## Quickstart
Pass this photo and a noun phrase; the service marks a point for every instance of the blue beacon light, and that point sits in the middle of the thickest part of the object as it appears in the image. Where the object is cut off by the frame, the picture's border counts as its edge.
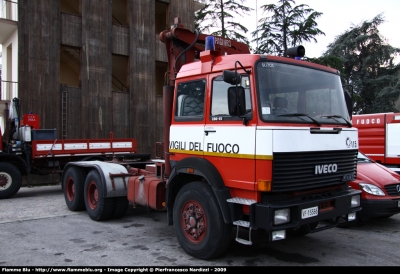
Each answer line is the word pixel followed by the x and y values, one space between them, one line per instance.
pixel 210 43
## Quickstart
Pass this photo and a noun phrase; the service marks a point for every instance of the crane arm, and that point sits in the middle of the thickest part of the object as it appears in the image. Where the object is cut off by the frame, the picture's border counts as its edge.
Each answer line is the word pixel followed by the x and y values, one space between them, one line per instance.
pixel 184 46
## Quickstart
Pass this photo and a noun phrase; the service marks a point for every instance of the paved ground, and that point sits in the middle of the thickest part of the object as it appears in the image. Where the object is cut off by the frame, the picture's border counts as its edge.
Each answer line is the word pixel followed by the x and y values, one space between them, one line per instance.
pixel 33 203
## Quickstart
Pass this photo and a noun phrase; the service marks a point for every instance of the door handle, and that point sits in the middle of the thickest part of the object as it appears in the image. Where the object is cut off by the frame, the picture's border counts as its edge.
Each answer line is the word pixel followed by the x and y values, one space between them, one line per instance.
pixel 207 131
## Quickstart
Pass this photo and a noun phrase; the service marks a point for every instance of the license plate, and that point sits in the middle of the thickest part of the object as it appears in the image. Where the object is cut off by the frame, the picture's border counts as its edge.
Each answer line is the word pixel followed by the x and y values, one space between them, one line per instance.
pixel 309 212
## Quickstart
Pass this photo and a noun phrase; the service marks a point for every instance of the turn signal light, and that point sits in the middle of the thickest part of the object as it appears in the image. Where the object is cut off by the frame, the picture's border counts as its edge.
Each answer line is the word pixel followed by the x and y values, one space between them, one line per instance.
pixel 264 185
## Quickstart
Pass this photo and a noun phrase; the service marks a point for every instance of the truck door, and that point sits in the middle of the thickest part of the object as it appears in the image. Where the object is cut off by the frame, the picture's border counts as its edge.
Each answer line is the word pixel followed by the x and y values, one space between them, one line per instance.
pixel 229 144
pixel 187 129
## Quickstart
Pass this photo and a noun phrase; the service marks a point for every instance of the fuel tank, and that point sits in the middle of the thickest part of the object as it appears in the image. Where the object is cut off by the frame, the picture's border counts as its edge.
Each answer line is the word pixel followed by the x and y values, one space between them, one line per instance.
pixel 147 190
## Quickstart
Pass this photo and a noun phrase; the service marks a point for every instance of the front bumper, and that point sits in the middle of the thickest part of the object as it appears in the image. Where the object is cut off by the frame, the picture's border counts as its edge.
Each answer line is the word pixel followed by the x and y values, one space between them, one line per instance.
pixel 379 208
pixel 339 205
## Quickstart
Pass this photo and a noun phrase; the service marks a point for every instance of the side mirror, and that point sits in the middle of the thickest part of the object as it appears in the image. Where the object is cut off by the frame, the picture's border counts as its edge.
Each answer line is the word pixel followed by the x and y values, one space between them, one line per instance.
pixel 236 101
pixel 231 77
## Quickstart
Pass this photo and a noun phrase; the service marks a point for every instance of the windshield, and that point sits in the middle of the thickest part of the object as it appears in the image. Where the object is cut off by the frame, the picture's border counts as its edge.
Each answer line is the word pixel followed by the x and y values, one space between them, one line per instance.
pixel 290 93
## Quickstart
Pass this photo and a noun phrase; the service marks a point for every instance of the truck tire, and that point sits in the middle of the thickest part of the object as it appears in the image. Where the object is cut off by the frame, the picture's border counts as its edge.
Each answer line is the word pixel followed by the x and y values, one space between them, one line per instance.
pixel 98 207
pixel 198 222
pixel 10 180
pixel 120 207
pixel 73 184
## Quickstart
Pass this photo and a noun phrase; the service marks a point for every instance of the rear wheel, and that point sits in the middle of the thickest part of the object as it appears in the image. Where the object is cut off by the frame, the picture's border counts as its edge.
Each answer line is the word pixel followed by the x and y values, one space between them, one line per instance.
pixel 198 222
pixel 98 207
pixel 10 180
pixel 73 185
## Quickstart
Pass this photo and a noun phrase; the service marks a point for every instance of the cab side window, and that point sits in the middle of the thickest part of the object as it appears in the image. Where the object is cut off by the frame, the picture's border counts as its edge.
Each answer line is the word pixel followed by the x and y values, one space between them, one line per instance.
pixel 219 99
pixel 190 100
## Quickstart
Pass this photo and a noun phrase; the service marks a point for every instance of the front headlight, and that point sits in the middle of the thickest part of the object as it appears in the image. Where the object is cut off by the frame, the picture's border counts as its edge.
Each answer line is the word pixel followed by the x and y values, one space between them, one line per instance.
pixel 355 201
pixel 372 189
pixel 281 216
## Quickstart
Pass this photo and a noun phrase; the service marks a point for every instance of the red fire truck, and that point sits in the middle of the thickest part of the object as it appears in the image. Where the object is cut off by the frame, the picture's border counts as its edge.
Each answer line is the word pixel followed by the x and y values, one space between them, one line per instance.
pixel 379 137
pixel 251 141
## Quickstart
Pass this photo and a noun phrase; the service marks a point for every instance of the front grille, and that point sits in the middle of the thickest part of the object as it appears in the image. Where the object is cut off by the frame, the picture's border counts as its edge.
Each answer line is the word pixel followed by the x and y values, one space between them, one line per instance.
pixel 294 171
pixel 392 190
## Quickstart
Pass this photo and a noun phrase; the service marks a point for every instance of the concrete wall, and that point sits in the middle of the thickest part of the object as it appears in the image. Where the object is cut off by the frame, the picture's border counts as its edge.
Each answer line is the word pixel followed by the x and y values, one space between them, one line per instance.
pixel 93 109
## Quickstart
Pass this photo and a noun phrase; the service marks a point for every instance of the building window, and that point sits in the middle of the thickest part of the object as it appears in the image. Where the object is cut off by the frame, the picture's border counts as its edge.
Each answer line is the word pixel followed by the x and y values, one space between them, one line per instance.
pixel 161 23
pixel 120 73
pixel 120 12
pixel 70 66
pixel 70 6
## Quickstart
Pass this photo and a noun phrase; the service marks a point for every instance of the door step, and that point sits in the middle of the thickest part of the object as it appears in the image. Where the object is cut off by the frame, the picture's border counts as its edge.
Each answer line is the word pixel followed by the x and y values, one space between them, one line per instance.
pixel 242 201
pixel 242 223
pixel 245 224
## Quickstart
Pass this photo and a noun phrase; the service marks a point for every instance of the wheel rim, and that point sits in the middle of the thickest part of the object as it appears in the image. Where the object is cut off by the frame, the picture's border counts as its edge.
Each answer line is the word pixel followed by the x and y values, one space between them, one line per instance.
pixel 194 221
pixel 5 181
pixel 92 195
pixel 70 188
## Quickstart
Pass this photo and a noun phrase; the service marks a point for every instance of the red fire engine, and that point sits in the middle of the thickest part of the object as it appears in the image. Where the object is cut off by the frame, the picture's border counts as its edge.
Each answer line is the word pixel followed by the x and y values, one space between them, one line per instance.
pixel 379 137
pixel 252 141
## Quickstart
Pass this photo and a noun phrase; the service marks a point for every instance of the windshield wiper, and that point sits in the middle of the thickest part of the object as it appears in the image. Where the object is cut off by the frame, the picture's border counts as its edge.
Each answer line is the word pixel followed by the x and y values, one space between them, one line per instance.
pixel 338 116
pixel 299 115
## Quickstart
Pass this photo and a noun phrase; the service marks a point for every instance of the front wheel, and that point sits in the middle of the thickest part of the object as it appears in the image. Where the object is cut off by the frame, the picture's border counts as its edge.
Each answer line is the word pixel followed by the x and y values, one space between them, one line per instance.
pixel 98 207
pixel 10 180
pixel 198 222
